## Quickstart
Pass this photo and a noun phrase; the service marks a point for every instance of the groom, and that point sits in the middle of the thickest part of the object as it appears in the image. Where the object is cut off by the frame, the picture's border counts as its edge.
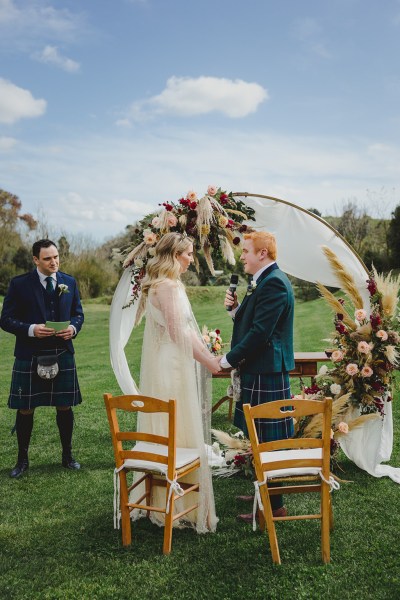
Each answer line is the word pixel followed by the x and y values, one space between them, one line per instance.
pixel 262 341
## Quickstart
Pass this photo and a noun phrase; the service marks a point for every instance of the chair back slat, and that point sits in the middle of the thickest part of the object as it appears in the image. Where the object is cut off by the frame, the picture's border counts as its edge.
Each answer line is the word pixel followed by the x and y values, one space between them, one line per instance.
pixel 279 409
pixel 291 444
pixel 138 403
pixel 147 456
pixel 138 436
pixel 293 463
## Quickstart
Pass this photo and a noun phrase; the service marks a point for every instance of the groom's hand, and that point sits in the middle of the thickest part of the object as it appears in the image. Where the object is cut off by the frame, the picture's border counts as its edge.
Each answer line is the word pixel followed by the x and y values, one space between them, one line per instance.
pixel 214 365
pixel 230 299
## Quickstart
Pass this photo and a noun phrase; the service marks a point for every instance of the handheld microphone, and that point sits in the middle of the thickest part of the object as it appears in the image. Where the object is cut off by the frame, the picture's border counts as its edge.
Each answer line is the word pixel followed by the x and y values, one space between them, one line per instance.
pixel 232 287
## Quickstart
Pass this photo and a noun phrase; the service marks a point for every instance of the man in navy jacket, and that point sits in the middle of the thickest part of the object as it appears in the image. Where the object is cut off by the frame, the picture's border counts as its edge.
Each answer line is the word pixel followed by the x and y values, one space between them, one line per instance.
pixel 262 340
pixel 34 299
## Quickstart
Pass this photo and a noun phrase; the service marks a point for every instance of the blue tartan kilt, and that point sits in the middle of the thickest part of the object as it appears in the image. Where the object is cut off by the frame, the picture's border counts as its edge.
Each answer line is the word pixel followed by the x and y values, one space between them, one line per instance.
pixel 28 390
pixel 258 389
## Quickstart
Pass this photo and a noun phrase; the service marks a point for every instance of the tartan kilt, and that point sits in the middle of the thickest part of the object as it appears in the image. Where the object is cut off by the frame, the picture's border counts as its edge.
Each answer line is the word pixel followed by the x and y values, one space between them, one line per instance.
pixel 28 390
pixel 258 389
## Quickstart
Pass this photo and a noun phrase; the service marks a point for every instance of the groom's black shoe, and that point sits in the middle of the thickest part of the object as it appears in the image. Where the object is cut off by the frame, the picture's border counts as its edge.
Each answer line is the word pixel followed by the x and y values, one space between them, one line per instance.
pixel 70 463
pixel 20 468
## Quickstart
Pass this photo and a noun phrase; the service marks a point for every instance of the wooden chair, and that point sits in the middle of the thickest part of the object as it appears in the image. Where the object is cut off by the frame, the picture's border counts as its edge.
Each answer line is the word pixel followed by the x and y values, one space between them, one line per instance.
pixel 157 457
pixel 295 462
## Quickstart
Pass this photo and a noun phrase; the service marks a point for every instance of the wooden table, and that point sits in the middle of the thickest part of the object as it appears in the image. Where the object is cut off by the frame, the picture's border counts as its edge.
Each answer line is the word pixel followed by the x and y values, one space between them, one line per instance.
pixel 306 365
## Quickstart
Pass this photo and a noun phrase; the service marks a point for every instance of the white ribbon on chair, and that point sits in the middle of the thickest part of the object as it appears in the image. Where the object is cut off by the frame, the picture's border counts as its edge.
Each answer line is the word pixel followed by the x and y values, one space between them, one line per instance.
pixel 175 488
pixel 333 485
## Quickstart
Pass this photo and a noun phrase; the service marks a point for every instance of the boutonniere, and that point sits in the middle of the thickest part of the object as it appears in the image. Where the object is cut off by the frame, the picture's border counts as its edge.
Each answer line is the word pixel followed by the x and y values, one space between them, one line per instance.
pixel 63 289
pixel 251 287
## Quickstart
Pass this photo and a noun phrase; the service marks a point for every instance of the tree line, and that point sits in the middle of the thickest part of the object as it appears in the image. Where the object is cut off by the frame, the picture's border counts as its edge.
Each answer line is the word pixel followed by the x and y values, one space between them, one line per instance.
pixel 376 241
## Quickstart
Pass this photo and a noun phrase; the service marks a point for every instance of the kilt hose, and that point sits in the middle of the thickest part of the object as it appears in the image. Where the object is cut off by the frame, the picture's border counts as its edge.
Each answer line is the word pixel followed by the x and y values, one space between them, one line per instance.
pixel 28 390
pixel 258 389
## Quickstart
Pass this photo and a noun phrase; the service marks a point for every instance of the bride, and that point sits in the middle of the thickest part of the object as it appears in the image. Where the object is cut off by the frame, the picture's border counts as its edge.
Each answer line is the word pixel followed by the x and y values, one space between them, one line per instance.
pixel 177 364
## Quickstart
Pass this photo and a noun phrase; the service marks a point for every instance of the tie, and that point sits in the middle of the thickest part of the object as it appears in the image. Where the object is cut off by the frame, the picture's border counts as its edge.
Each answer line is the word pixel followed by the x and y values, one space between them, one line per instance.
pixel 49 285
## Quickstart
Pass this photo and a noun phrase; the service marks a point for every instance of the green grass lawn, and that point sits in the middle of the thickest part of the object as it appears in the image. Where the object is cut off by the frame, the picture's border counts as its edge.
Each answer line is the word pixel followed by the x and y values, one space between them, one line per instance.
pixel 56 529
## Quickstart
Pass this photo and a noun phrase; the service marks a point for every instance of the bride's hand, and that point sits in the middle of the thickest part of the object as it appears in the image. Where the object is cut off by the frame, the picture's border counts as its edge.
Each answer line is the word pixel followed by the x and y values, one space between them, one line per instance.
pixel 213 365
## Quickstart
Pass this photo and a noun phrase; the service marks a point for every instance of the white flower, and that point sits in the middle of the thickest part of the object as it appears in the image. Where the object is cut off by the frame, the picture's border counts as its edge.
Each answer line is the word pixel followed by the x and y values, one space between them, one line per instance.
pixel 139 263
pixel 239 434
pixel 335 388
pixel 323 370
pixel 62 289
pixel 360 315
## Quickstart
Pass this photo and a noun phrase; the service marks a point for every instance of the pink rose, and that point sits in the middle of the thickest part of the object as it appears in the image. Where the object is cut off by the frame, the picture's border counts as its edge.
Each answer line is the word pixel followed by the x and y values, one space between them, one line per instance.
pixel 360 315
pixel 191 196
pixel 171 220
pixel 382 335
pixel 352 369
pixel 343 427
pixel 337 355
pixel 212 190
pixel 149 237
pixel 364 347
pixel 156 222
pixel 366 371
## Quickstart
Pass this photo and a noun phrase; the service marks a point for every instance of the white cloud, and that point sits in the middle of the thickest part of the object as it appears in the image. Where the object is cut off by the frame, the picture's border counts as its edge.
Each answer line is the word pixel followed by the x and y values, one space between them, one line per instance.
pixel 186 96
pixel 23 23
pixel 17 103
pixel 7 143
pixel 51 55
pixel 125 178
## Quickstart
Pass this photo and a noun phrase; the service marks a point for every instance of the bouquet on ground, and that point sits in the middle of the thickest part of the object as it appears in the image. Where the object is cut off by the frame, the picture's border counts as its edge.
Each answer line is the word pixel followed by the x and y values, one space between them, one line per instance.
pixel 237 452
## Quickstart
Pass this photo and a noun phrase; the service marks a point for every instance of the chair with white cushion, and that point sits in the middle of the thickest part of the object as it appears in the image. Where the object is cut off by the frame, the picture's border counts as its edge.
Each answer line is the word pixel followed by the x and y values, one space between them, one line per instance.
pixel 294 461
pixel 157 457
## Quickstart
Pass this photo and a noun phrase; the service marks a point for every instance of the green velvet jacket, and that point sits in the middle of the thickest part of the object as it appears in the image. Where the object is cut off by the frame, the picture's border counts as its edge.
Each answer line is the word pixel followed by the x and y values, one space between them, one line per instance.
pixel 262 340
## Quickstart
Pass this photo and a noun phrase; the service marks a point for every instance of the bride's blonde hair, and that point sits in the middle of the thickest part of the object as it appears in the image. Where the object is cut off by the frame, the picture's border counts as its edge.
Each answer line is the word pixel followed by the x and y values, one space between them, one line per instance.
pixel 165 264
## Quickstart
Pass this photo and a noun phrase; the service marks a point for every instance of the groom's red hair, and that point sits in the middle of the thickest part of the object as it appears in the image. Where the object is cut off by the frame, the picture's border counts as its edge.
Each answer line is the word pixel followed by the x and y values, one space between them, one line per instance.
pixel 263 240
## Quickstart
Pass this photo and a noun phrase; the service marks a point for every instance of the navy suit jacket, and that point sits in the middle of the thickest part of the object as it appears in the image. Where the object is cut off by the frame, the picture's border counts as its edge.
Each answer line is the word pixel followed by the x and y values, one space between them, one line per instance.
pixel 24 305
pixel 262 340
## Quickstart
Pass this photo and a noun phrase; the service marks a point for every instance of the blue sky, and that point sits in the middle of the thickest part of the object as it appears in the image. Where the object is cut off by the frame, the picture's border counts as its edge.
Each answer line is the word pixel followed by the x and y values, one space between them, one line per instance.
pixel 108 108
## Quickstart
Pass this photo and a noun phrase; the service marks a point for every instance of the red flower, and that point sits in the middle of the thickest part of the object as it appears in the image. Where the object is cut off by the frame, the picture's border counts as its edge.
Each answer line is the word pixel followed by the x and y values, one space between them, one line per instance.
pixel 223 199
pixel 184 201
pixel 217 331
pixel 193 205
pixel 239 460
pixel 339 316
pixel 242 228
pixel 371 286
pixel 340 328
pixel 341 300
pixel 168 206
pixel 375 321
pixel 236 241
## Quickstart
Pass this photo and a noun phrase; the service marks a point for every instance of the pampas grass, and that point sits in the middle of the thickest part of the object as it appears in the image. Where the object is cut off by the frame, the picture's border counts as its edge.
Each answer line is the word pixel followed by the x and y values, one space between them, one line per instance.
pixel 345 278
pixel 389 287
pixel 335 305
pixel 355 423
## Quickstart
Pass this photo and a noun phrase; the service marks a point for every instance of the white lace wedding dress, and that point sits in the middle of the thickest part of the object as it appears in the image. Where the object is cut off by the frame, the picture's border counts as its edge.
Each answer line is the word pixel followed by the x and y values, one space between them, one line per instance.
pixel 169 370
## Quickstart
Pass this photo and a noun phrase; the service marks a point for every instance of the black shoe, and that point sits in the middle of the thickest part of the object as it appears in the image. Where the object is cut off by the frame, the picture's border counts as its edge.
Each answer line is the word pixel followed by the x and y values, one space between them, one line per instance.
pixel 20 468
pixel 70 463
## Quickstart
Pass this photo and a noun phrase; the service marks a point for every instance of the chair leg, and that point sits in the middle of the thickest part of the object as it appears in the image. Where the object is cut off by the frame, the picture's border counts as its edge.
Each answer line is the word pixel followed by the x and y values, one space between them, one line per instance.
pixel 149 488
pixel 273 540
pixel 125 513
pixel 168 523
pixel 325 523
